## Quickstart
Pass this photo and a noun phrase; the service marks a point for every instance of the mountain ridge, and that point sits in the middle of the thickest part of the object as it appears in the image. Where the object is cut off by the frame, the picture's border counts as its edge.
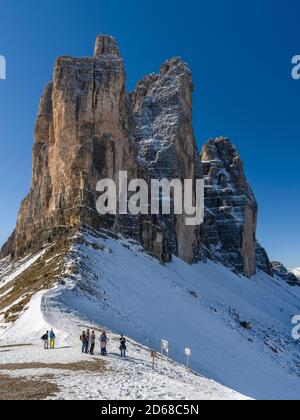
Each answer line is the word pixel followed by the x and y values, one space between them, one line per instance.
pixel 89 127
pixel 150 276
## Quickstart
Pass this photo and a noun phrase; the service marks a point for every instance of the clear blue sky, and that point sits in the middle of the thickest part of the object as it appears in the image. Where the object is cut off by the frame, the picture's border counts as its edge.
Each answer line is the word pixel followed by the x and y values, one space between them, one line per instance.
pixel 240 54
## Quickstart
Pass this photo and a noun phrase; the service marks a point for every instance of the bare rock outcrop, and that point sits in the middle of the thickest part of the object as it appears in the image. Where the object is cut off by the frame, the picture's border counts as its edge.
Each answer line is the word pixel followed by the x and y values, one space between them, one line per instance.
pixel 88 128
pixel 162 105
pixel 84 132
pixel 263 262
pixel 229 229
pixel 8 247
pixel 281 272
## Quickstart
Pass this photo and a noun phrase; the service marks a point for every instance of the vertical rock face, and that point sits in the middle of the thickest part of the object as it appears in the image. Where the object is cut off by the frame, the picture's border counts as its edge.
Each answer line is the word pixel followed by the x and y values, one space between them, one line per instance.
pixel 89 128
pixel 162 107
pixel 262 260
pixel 84 133
pixel 281 272
pixel 229 230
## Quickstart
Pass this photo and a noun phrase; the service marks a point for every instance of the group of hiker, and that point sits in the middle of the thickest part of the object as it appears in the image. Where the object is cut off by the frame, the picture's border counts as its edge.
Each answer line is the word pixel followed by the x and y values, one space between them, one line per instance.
pixel 49 340
pixel 88 340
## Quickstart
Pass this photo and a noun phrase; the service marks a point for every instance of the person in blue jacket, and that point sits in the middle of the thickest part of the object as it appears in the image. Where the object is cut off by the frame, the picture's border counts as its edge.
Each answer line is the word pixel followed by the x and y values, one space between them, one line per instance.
pixel 103 344
pixel 52 338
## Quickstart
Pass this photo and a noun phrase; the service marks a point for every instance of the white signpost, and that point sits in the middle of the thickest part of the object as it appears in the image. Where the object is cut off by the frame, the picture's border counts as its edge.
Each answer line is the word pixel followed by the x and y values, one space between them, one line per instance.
pixel 165 347
pixel 2 68
pixel 188 353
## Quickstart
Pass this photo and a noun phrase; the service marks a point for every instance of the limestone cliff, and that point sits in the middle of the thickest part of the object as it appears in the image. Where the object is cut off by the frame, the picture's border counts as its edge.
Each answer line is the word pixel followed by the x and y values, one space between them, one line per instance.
pixel 229 229
pixel 88 128
pixel 162 106
pixel 83 133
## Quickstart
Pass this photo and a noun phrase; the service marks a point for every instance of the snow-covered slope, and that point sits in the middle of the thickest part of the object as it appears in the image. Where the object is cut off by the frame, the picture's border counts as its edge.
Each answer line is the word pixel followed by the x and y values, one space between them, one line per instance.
pixel 113 283
pixel 115 378
pixel 21 355
pixel 296 271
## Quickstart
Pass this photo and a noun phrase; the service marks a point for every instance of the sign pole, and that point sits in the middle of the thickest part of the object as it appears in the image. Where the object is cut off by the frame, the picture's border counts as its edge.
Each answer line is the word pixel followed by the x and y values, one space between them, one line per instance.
pixel 154 356
pixel 188 353
pixel 165 347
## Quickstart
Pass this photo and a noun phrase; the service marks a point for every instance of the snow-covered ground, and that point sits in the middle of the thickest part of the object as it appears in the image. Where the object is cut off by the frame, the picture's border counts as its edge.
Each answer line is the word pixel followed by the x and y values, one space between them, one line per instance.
pixel 130 379
pixel 200 306
pixel 296 271
pixel 119 379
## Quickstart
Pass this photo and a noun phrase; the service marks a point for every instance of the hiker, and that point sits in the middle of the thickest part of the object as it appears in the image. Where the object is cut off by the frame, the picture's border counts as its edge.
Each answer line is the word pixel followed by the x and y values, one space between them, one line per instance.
pixel 92 342
pixel 85 343
pixel 123 347
pixel 103 344
pixel 52 340
pixel 45 339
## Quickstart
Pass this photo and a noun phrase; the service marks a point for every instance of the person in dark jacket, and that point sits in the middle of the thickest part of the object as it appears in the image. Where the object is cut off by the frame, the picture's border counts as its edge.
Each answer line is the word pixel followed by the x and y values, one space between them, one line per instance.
pixel 45 339
pixel 123 346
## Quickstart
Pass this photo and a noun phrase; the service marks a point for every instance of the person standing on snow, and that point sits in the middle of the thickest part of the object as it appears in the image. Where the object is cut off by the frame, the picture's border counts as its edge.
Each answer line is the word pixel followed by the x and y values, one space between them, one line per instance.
pixel 52 337
pixel 85 343
pixel 45 339
pixel 123 347
pixel 103 344
pixel 92 342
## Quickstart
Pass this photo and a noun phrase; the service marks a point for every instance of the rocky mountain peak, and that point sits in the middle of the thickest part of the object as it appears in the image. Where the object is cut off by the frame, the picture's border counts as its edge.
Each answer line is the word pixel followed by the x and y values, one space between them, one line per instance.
pixel 281 272
pixel 175 66
pixel 89 128
pixel 220 153
pixel 229 230
pixel 106 46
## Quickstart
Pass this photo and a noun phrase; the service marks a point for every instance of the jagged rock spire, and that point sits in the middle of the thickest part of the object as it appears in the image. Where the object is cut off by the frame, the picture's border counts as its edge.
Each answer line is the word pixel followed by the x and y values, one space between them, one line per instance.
pixel 106 45
pixel 88 128
pixel 229 230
